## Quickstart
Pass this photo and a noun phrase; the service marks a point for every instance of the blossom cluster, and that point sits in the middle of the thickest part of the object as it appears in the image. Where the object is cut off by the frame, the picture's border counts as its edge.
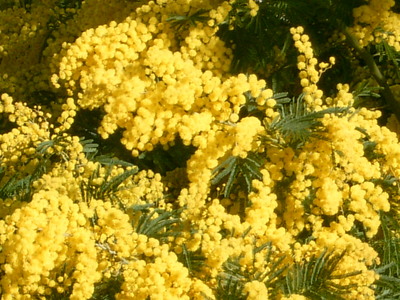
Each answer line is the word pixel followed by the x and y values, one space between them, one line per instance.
pixel 151 86
pixel 376 22
pixel 156 77
pixel 307 65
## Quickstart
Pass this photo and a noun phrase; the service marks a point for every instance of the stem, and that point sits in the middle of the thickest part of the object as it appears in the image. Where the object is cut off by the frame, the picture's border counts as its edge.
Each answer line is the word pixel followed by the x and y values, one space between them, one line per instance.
pixel 387 94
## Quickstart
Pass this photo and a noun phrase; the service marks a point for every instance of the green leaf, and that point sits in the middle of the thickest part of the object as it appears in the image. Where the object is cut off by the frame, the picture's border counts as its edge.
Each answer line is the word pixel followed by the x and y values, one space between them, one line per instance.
pixel 108 288
pixel 193 261
pixel 19 185
pixel 44 146
pixel 297 123
pixel 88 145
pixel 315 277
pixel 388 247
pixel 252 170
pixel 223 169
pixel 363 92
pixel 111 185
pixel 238 171
pixel 233 278
pixel 112 161
pixel 231 180
pixel 180 21
pixel 166 224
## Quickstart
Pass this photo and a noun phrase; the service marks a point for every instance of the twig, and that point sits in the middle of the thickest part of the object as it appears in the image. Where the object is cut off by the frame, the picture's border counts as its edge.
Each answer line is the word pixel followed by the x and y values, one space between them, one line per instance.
pixel 387 94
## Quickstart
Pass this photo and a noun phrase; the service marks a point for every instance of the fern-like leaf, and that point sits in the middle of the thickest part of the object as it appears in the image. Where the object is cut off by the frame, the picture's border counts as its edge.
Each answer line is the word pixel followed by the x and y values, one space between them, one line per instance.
pixel 231 281
pixel 233 278
pixel 363 93
pixel 108 160
pixel 193 261
pixel 164 225
pixel 238 171
pixel 274 276
pixel 296 123
pixel 388 54
pixel 182 21
pixel 109 187
pixel 388 284
pixel 107 289
pixel 314 278
pixel 89 148
pixel 19 185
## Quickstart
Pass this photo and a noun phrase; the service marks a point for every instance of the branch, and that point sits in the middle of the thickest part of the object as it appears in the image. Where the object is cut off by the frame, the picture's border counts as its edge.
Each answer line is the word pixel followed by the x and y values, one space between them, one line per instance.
pixel 387 94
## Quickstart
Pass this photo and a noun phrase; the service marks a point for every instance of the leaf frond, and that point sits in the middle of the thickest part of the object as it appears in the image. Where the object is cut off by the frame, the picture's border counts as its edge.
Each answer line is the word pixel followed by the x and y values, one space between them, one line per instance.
pixel 238 173
pixel 182 21
pixel 193 261
pixel 233 278
pixel 158 223
pixel 315 277
pixel 108 188
pixel 297 124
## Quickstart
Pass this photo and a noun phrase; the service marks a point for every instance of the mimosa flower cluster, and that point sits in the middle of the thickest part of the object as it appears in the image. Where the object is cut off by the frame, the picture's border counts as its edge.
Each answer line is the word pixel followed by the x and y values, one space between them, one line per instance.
pixel 150 86
pixel 307 65
pixel 376 21
pixel 156 77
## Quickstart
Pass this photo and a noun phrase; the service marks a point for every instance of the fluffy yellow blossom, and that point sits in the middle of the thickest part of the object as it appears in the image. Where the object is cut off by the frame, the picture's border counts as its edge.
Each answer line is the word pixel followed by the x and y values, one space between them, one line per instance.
pixel 329 199
pixel 153 91
pixel 82 226
pixel 261 215
pixel 310 70
pixel 375 21
pixel 294 297
pixel 343 97
pixel 358 256
pixel 245 134
pixel 18 146
pixel 36 246
pixel 165 278
pixel 256 290
pixel 90 241
pixel 23 36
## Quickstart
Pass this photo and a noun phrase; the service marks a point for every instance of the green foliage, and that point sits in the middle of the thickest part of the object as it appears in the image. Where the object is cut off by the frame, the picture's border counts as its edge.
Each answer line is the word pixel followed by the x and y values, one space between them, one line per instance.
pixel 237 173
pixel 262 43
pixel 19 186
pixel 251 108
pixel 109 187
pixel 369 146
pixel 387 287
pixel 183 22
pixel 297 124
pixel 365 94
pixel 107 160
pixel 162 160
pixel 69 3
pixel 192 260
pixel 315 278
pixel 107 289
pixel 388 57
pixel 158 223
pixel 233 278
pixel 58 296
pixel 61 141
pixel 388 247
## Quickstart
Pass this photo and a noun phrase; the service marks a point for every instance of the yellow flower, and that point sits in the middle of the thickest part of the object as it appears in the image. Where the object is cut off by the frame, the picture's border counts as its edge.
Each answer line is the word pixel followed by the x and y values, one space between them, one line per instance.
pixel 256 290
